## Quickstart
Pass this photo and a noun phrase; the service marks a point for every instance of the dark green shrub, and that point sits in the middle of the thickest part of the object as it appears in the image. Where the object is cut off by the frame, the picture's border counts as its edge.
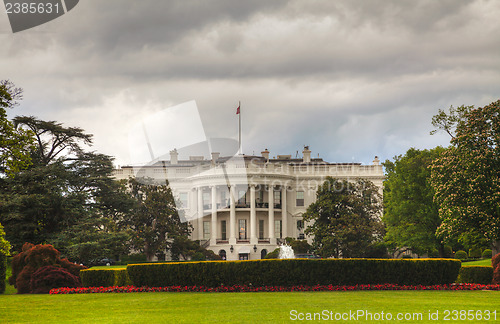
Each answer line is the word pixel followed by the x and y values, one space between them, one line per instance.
pixel 406 256
pixel 105 277
pixel 198 256
pixel 291 272
pixel 3 271
pixel 474 253
pixel 4 253
pixel 461 255
pixel 487 254
pixel 48 277
pixel 135 257
pixel 273 255
pixel 475 274
pixel 447 251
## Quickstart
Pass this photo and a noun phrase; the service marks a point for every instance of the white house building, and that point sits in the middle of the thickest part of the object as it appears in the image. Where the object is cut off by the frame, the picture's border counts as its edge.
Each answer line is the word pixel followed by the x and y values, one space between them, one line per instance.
pixel 242 207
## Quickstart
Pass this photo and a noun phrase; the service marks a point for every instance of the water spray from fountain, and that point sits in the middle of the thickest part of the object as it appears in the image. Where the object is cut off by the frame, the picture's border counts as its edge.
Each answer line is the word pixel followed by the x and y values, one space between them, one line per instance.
pixel 286 252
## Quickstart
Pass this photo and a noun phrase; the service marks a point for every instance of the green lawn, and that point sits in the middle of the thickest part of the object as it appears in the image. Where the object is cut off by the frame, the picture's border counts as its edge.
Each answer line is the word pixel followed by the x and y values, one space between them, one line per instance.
pixel 240 307
pixel 485 262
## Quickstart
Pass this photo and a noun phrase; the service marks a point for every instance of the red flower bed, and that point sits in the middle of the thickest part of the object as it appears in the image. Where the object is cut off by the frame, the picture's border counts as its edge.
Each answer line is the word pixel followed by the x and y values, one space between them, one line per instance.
pixel 238 288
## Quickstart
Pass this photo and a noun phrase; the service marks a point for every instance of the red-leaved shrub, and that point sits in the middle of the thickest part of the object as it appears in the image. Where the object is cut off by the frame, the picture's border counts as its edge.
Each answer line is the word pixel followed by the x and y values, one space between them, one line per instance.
pixel 48 277
pixel 495 261
pixel 34 257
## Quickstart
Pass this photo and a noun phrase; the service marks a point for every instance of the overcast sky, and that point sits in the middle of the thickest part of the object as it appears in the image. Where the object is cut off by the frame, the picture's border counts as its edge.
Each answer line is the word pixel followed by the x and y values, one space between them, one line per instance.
pixel 351 79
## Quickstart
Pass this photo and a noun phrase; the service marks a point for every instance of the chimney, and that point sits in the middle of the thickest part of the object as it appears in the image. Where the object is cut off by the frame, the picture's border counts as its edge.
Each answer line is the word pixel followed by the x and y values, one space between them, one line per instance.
pixel 307 155
pixel 174 156
pixel 265 154
pixel 376 161
pixel 215 156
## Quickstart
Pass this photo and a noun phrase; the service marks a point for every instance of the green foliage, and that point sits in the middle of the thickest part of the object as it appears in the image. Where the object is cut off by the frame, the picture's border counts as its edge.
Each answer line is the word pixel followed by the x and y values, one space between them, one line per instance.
pixel 4 253
pixel 289 272
pixel 105 278
pixel 298 246
pixel 410 215
pixel 183 247
pixel 15 144
pixel 474 253
pixel 67 197
pixel 466 177
pixel 475 274
pixel 461 255
pixel 273 255
pixel 155 219
pixel 34 257
pixel 486 254
pixel 344 219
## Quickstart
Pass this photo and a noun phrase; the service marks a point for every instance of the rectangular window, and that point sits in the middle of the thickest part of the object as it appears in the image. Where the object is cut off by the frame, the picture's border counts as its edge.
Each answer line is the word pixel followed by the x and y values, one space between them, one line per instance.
pixel 261 229
pixel 183 198
pixel 300 198
pixel 277 199
pixel 206 230
pixel 223 230
pixel 223 200
pixel 242 197
pixel 206 200
pixel 242 225
pixel 277 228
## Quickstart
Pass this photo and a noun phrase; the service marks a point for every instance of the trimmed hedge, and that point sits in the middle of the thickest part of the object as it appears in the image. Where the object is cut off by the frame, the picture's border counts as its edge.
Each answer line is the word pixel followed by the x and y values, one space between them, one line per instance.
pixel 3 271
pixel 461 255
pixel 475 274
pixel 292 272
pixel 487 254
pixel 105 277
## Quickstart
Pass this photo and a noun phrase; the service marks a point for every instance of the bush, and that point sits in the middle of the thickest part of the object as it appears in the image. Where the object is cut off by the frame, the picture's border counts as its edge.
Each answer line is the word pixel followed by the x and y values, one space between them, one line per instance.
pixel 495 261
pixel 48 277
pixel 447 251
pixel 461 255
pixel 474 253
pixel 4 253
pixel 105 278
pixel 487 254
pixel 496 275
pixel 292 272
pixel 34 257
pixel 475 274
pixel 273 255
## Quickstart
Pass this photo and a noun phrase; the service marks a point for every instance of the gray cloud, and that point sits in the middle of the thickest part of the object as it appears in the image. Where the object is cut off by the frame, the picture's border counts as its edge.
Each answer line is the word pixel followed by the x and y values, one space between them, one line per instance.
pixel 350 78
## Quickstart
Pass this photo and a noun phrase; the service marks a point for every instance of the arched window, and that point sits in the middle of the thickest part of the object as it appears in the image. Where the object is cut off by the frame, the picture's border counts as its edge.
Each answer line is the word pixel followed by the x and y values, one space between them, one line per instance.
pixel 222 254
pixel 263 253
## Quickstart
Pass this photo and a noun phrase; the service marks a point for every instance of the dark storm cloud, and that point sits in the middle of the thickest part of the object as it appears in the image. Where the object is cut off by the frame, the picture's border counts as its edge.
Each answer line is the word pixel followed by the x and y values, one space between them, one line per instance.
pixel 353 79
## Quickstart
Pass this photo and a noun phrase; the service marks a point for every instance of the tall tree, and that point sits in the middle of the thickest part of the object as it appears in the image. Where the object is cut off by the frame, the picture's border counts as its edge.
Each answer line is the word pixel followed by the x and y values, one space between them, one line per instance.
pixel 410 214
pixel 466 178
pixel 15 144
pixel 155 220
pixel 64 188
pixel 345 218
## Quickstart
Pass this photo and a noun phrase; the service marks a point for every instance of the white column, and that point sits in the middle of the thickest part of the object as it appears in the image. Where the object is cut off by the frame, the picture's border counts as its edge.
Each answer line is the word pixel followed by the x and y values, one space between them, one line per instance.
pixel 284 216
pixel 213 229
pixel 200 213
pixel 270 195
pixel 253 216
pixel 232 217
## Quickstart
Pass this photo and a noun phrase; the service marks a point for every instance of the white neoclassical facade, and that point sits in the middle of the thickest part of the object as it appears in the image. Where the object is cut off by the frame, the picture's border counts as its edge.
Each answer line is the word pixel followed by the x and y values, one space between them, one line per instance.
pixel 242 207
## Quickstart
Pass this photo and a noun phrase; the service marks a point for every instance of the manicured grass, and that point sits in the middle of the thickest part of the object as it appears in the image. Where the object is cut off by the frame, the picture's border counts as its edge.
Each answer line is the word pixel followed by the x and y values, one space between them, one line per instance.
pixel 110 267
pixel 484 262
pixel 237 307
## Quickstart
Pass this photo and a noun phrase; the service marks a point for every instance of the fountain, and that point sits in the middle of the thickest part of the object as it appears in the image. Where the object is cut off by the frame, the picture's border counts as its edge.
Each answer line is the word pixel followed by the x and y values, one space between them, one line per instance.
pixel 286 252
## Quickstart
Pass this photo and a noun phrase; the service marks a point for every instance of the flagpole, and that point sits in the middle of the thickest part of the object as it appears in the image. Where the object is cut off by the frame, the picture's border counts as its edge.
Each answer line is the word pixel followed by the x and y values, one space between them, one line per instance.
pixel 239 127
